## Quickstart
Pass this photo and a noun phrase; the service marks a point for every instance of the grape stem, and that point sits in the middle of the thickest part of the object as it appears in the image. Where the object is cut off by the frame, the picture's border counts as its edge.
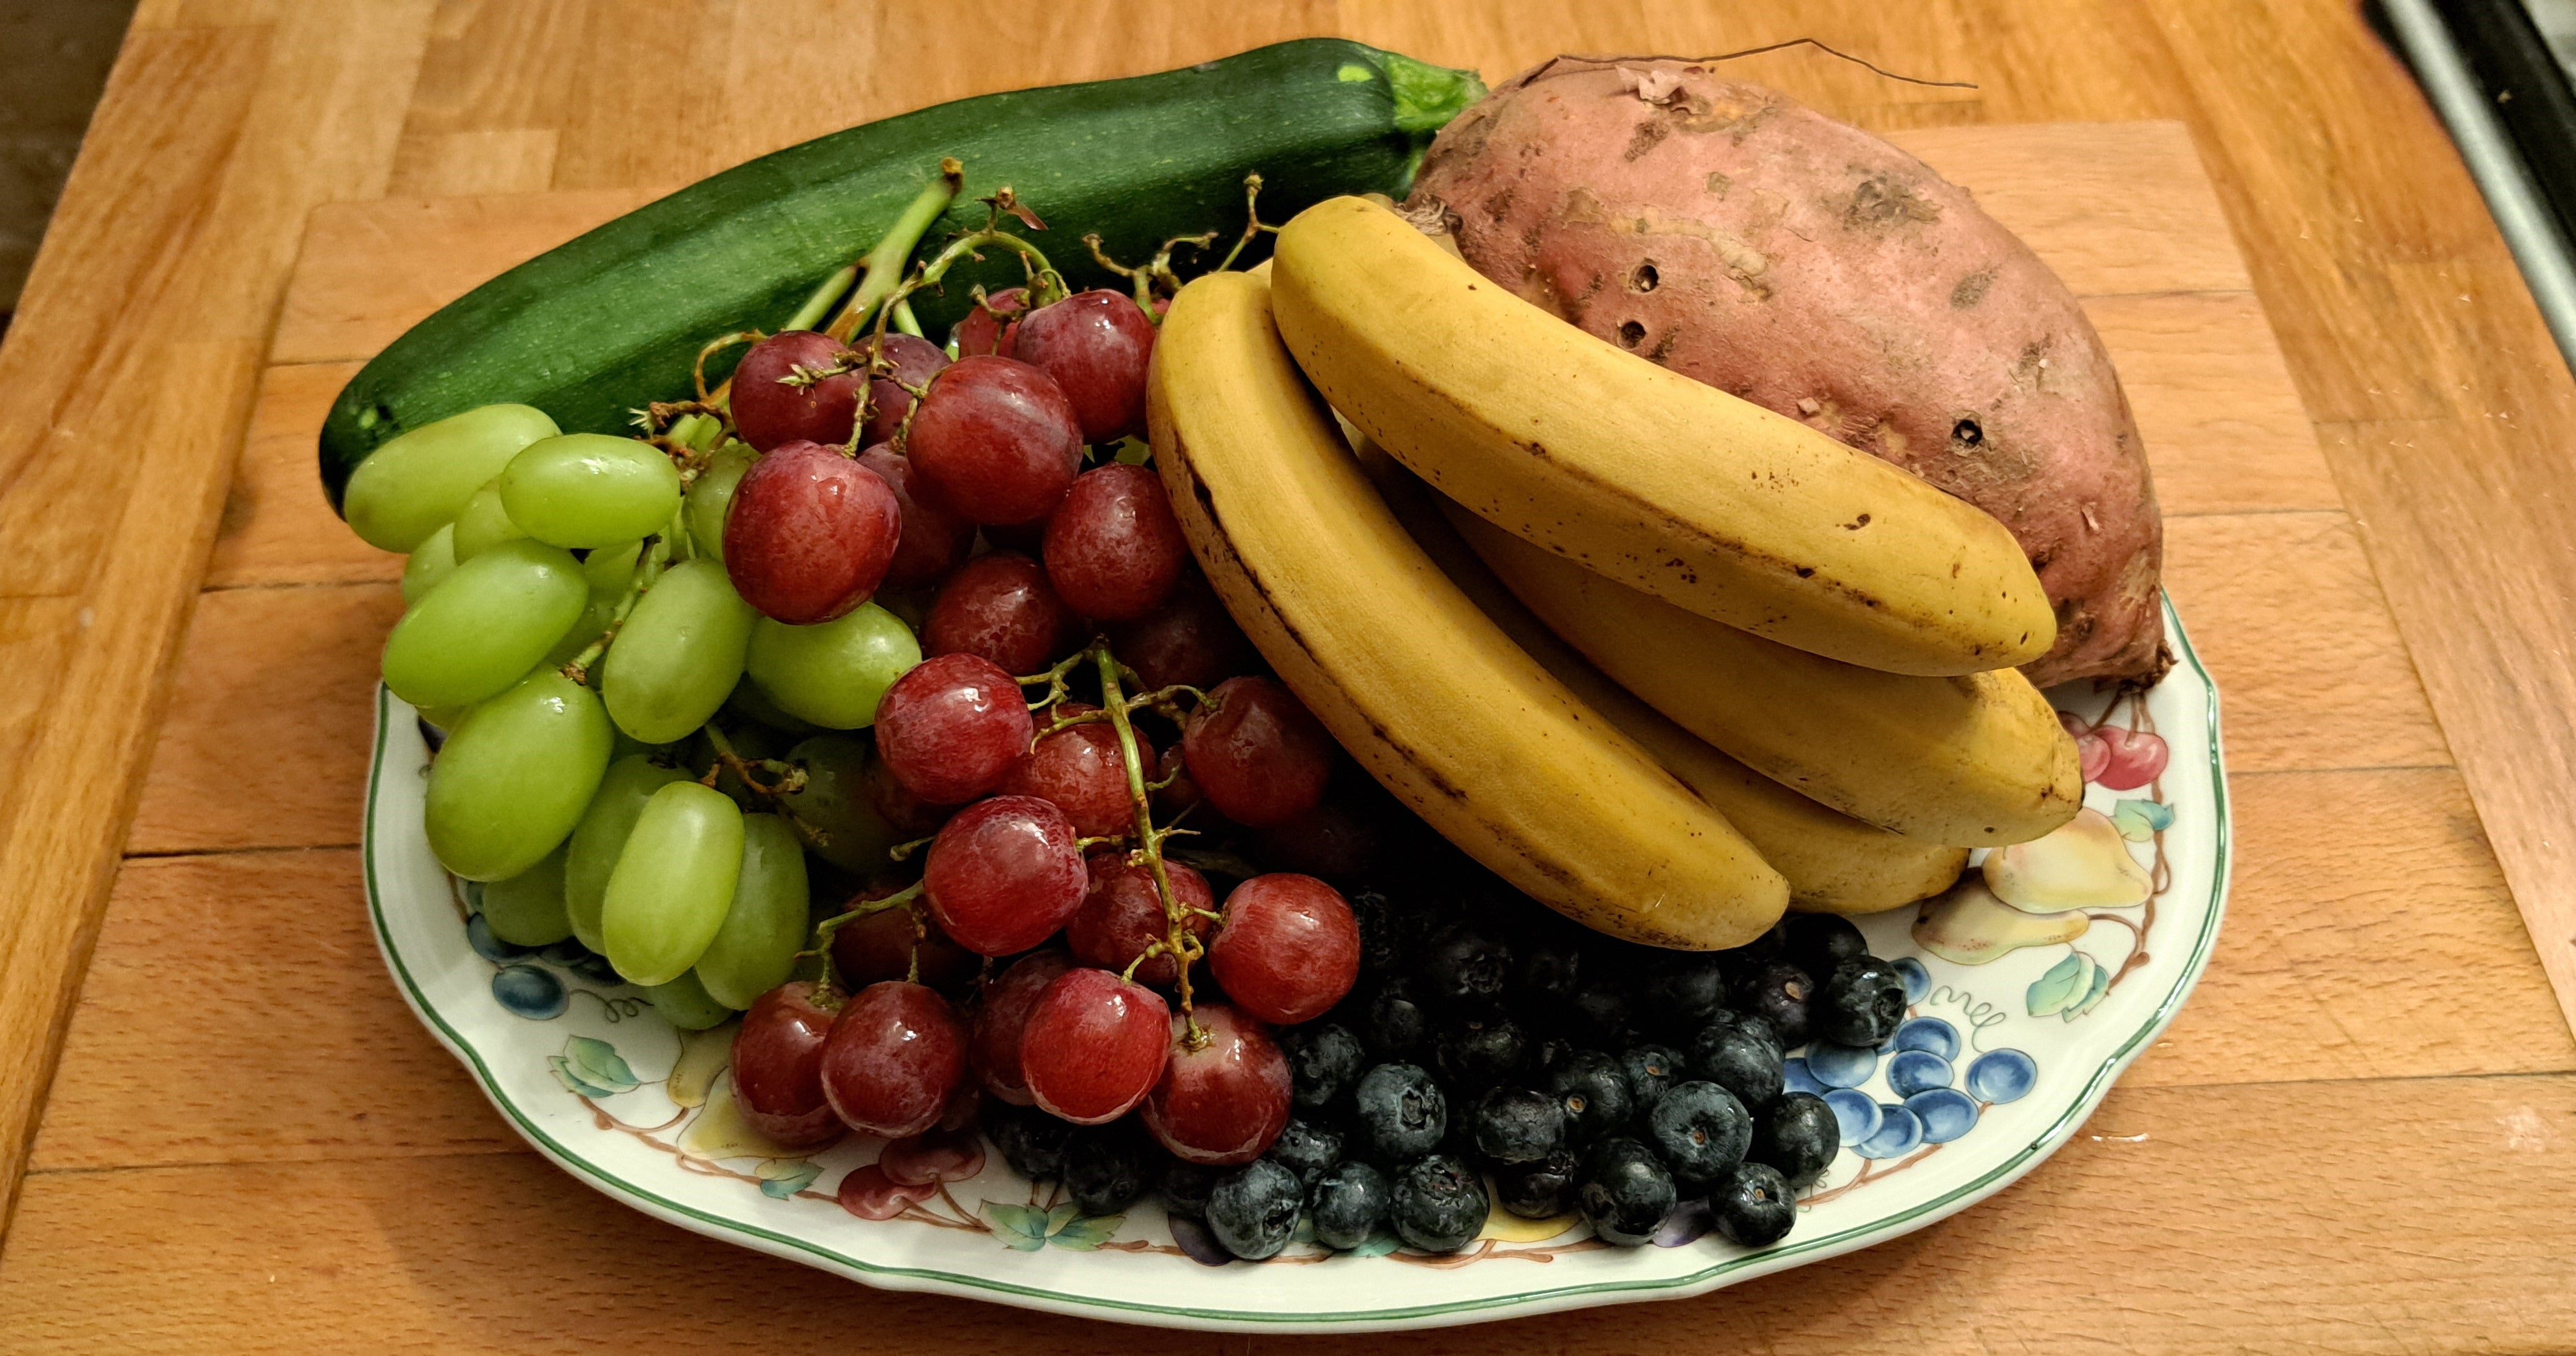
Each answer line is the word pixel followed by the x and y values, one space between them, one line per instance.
pixel 1252 223
pixel 1179 943
pixel 883 265
pixel 657 551
pixel 854 911
pixel 791 778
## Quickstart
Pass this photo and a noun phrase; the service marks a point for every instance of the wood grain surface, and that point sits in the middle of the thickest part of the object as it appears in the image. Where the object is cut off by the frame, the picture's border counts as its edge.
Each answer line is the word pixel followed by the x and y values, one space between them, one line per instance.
pixel 2360 1135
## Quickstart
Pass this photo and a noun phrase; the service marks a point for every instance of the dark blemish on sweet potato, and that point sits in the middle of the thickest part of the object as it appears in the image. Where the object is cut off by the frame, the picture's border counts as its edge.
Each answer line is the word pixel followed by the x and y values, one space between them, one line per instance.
pixel 1502 204
pixel 1648 135
pixel 1879 203
pixel 1631 333
pixel 1645 278
pixel 1719 183
pixel 1972 289
pixel 1664 346
pixel 1967 433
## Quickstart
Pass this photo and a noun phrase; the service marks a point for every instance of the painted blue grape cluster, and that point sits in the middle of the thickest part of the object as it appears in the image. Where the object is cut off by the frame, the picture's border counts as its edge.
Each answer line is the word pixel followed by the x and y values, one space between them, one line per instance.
pixel 1939 1087
pixel 520 984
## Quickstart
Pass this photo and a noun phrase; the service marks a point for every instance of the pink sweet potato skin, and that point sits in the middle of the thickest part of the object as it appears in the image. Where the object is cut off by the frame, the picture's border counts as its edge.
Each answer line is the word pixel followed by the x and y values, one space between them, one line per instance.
pixel 1752 243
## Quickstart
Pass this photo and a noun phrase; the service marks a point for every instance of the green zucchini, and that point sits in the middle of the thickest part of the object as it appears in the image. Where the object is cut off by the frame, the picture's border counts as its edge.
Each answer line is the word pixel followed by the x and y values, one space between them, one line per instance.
pixel 593 330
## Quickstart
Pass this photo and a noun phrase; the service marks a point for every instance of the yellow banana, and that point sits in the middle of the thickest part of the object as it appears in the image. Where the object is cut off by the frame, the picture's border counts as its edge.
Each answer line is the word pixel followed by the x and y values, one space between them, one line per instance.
pixel 1709 502
pixel 1977 760
pixel 1435 701
pixel 1833 863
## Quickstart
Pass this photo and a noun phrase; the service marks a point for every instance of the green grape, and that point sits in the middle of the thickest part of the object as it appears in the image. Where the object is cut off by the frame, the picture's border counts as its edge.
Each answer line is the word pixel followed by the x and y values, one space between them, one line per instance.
pixel 711 494
pixel 601 836
pixel 485 625
pixel 756 948
pixel 444 717
pixel 431 561
pixel 752 704
pixel 685 1003
pixel 589 489
pixel 836 802
pixel 528 908
pixel 679 654
pixel 610 569
pixel 483 524
pixel 833 672
pixel 673 884
pixel 419 481
pixel 514 776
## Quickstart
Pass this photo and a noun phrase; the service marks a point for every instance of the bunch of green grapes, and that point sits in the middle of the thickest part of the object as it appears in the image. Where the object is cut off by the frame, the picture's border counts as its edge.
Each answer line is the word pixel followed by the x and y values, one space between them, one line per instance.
pixel 572 629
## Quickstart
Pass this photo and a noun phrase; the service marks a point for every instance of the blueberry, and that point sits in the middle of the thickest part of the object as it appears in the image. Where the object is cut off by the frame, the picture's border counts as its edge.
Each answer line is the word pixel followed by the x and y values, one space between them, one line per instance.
pixel 1516 1125
pixel 1107 1167
pixel 1306 1149
pixel 1324 1060
pixel 1550 970
pixel 1478 1052
pixel 1389 932
pixel 1861 1003
pixel 1753 1205
pixel 1546 1053
pixel 1684 989
pixel 1778 994
pixel 1401 1112
pixel 1185 1186
pixel 1253 1210
pixel 1465 967
pixel 1799 1135
pixel 1539 1189
pixel 1624 1192
pixel 1348 1204
pixel 1031 1141
pixel 1398 1025
pixel 1818 942
pixel 1700 1130
pixel 1601 1014
pixel 1651 1069
pixel 1742 1058
pixel 1595 1094
pixel 1437 1204
pixel 1763 950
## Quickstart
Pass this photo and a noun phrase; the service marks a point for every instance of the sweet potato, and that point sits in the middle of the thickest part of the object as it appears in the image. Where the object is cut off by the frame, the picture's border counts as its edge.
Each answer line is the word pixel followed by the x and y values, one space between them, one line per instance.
pixel 1736 236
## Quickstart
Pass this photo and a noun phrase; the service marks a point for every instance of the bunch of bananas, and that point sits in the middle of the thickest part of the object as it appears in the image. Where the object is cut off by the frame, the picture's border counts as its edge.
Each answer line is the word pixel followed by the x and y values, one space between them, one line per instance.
pixel 1664 660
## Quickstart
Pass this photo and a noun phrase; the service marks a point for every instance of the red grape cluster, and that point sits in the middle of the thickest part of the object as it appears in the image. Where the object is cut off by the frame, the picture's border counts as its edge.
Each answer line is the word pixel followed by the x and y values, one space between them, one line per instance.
pixel 1043 956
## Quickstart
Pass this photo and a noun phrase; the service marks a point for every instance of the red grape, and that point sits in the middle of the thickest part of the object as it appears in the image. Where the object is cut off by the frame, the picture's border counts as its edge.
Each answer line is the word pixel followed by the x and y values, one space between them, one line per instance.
pixel 1122 914
pixel 778 1068
pixel 916 360
pixel 1332 840
pixel 1094 1046
pixel 1288 949
pixel 931 540
pixel 1188 640
pixel 1003 1018
pixel 1000 605
pixel 1004 874
pixel 1224 1103
pixel 1096 345
pixel 1113 547
pixel 994 325
pixel 1179 793
pixel 1025 538
pixel 1257 753
pixel 995 440
pixel 880 946
pixel 952 728
pixel 1080 771
pixel 769 412
pixel 809 534
pixel 893 1059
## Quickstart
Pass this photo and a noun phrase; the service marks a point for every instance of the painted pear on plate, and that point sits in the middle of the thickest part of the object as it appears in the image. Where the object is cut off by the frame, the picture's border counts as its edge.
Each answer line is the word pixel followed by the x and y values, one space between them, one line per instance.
pixel 1968 925
pixel 2084 864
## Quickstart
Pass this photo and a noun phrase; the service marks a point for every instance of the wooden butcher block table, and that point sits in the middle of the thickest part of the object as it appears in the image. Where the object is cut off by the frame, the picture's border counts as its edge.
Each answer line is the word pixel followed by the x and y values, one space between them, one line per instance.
pixel 2360 1135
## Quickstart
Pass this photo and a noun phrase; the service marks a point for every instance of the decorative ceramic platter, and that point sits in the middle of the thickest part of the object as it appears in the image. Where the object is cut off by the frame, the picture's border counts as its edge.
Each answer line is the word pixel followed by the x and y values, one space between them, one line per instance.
pixel 2031 986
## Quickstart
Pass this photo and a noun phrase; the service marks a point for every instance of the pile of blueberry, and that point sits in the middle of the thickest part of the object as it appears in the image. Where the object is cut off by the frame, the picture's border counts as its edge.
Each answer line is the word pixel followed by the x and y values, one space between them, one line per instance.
pixel 1491 1047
